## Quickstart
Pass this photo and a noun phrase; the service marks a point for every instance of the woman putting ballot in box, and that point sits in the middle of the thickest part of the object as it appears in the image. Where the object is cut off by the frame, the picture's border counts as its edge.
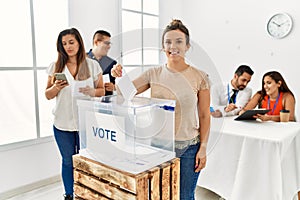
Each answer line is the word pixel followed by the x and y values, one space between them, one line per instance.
pixel 189 86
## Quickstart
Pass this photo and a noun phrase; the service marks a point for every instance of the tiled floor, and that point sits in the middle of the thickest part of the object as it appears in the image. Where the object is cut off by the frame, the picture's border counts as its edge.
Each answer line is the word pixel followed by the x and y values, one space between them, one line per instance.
pixel 50 192
pixel 55 191
pixel 204 194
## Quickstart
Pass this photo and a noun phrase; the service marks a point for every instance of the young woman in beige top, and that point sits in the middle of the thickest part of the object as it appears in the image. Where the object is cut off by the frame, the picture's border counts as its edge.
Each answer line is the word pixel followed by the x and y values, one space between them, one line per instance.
pixel 189 86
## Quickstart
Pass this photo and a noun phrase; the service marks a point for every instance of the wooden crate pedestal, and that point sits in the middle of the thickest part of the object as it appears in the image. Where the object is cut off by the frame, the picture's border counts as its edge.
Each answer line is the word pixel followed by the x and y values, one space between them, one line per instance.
pixel 94 180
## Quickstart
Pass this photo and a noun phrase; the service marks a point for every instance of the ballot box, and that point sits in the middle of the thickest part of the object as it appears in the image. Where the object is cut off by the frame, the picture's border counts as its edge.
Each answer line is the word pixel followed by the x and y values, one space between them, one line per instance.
pixel 132 136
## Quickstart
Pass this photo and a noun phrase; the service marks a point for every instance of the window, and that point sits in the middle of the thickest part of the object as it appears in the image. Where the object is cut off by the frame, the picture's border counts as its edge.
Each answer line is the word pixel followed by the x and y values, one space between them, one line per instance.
pixel 140 32
pixel 28 46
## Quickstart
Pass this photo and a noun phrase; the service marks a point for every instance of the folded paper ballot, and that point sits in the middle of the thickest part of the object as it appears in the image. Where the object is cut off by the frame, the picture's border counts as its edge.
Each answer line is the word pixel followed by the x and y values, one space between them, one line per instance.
pixel 126 87
pixel 106 78
pixel 248 115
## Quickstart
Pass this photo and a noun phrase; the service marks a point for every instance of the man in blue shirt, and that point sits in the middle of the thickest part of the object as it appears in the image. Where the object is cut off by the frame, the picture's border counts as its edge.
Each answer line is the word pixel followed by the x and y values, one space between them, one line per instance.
pixel 101 46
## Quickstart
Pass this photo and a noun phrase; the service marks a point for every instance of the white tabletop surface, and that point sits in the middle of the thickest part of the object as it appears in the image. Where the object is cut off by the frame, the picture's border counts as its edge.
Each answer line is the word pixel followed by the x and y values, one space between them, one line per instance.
pixel 252 160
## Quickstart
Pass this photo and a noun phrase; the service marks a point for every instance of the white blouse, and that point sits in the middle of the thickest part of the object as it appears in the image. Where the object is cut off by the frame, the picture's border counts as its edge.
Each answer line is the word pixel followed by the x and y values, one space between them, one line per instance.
pixel 65 111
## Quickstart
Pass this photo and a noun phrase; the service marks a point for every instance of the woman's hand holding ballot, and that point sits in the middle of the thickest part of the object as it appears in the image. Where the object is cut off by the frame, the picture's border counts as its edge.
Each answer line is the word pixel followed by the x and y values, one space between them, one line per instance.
pixel 116 71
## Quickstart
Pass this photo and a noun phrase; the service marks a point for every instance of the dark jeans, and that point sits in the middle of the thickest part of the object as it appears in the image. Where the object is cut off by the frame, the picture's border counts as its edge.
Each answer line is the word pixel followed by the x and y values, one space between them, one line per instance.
pixel 68 145
pixel 188 176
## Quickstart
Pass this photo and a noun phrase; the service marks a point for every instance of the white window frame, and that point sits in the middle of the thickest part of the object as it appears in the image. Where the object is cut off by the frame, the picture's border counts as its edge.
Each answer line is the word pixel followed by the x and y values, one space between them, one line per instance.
pixel 35 70
pixel 142 13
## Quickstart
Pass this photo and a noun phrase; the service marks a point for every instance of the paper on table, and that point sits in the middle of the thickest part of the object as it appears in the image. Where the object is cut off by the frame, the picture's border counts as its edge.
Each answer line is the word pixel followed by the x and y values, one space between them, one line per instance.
pixel 106 78
pixel 126 87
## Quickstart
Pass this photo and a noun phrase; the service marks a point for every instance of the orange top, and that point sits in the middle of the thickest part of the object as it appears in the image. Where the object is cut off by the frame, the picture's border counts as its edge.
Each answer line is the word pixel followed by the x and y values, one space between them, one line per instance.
pixel 274 108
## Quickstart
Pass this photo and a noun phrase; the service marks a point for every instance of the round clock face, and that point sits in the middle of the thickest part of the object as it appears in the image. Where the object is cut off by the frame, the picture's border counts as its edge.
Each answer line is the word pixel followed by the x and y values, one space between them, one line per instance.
pixel 279 25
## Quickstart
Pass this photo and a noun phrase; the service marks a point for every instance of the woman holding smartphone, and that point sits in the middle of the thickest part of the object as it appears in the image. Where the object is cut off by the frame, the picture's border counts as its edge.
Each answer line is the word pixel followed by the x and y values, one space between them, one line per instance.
pixel 79 71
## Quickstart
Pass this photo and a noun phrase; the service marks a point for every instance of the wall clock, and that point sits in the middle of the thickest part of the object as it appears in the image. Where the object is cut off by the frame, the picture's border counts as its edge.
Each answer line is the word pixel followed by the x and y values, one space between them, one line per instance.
pixel 279 25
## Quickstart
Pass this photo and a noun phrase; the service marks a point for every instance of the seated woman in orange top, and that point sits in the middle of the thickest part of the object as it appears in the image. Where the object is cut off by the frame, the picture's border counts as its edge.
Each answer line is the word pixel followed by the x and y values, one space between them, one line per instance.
pixel 275 96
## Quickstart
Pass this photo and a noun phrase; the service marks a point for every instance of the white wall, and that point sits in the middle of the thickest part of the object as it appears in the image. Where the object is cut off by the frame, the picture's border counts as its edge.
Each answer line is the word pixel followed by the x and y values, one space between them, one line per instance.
pixel 27 164
pixel 92 15
pixel 234 32
pixel 168 10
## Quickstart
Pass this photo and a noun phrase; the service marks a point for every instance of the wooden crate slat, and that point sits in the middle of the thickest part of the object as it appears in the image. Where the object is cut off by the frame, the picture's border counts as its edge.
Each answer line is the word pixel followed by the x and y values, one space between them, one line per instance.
pixel 123 179
pixel 165 181
pixel 175 179
pixel 143 187
pixel 154 178
pixel 108 190
pixel 87 194
pixel 95 180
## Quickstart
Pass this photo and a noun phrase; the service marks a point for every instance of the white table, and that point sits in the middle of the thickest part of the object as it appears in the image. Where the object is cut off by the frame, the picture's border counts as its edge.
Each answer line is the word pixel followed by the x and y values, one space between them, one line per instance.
pixel 252 160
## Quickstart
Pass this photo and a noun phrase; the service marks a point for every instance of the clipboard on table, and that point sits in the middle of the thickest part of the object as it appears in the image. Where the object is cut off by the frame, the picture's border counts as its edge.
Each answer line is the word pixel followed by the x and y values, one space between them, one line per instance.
pixel 248 115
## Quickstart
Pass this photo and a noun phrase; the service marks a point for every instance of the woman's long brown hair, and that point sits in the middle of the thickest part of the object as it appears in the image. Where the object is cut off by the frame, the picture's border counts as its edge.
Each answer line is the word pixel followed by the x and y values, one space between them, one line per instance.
pixel 82 70
pixel 276 76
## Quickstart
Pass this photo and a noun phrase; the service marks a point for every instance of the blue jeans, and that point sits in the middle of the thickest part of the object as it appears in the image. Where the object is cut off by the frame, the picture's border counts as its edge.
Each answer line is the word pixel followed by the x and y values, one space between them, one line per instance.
pixel 188 176
pixel 68 145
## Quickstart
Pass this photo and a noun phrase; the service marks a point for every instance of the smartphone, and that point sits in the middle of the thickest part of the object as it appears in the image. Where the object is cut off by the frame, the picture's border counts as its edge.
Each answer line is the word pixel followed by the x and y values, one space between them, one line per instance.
pixel 61 76
pixel 106 99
